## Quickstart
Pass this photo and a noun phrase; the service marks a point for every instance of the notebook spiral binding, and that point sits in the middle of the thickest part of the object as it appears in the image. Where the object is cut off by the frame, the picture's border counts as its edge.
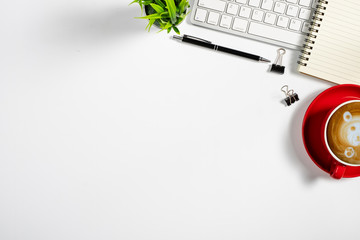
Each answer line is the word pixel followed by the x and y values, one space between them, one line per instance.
pixel 313 30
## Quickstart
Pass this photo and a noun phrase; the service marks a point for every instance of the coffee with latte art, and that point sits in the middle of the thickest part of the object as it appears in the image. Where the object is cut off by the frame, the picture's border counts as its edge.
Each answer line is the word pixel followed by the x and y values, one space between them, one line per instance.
pixel 343 133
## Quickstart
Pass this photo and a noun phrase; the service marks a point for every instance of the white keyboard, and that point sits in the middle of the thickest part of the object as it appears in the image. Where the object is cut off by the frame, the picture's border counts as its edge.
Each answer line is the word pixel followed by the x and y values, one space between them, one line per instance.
pixel 280 22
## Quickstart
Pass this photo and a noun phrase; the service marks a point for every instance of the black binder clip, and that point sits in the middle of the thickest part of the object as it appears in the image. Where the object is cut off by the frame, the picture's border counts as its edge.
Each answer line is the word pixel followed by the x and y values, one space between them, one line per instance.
pixel 276 67
pixel 291 96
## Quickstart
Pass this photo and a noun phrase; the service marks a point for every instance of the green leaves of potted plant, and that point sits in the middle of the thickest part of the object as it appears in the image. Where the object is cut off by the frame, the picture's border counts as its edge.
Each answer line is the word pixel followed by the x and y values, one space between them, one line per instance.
pixel 165 14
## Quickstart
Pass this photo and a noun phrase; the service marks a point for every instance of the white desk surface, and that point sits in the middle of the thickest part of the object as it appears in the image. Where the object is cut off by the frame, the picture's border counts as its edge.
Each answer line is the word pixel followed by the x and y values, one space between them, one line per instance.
pixel 110 132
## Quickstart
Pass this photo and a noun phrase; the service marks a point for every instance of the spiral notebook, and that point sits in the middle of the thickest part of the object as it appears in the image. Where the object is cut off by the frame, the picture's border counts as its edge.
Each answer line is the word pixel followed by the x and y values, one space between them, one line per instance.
pixel 332 48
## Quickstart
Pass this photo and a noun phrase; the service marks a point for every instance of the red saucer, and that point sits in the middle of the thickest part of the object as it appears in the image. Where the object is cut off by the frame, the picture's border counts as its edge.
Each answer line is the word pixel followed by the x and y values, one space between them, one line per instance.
pixel 314 119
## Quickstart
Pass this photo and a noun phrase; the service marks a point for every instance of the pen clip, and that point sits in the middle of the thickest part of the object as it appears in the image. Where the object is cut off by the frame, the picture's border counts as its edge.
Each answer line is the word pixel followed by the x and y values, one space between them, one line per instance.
pixel 196 38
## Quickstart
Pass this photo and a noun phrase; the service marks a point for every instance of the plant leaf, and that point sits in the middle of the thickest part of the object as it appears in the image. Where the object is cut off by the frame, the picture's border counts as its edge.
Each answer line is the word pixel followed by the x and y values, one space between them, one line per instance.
pixel 157 8
pixel 134 2
pixel 182 5
pixel 165 26
pixel 165 15
pixel 172 10
pixel 176 30
pixel 151 22
pixel 160 3
pixel 152 16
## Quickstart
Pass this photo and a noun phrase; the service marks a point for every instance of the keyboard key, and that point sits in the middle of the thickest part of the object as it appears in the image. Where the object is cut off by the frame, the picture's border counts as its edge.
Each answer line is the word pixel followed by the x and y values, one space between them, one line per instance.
pixel 305 28
pixel 213 18
pixel 283 22
pixel 305 14
pixel 257 15
pixel 291 1
pixel 240 25
pixel 213 4
pixel 270 18
pixel 254 3
pixel 241 1
pixel 232 8
pixel 225 21
pixel 292 10
pixel 200 15
pixel 279 7
pixel 275 33
pixel 245 12
pixel 295 24
pixel 267 4
pixel 305 3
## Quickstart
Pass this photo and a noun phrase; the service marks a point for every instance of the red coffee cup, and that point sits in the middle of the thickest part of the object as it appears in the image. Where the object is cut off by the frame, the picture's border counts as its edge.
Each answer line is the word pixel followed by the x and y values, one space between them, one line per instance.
pixel 338 166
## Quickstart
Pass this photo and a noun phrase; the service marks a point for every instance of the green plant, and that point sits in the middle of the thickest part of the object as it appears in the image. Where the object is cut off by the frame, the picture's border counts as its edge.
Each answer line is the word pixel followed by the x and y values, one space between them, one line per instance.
pixel 166 14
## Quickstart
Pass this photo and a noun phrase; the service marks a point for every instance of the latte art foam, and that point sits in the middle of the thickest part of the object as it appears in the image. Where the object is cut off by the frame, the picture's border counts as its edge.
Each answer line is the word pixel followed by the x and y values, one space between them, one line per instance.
pixel 343 133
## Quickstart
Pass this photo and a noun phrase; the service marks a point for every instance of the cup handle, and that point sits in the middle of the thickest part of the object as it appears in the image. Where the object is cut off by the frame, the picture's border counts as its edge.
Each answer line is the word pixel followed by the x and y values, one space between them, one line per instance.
pixel 337 169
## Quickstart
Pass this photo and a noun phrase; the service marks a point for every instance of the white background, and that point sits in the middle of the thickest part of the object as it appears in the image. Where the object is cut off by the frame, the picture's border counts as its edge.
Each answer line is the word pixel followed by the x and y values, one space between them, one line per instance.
pixel 110 132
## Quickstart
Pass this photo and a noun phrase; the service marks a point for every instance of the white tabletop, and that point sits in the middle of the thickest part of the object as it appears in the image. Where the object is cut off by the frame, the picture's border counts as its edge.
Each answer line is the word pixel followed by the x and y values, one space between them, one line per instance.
pixel 110 132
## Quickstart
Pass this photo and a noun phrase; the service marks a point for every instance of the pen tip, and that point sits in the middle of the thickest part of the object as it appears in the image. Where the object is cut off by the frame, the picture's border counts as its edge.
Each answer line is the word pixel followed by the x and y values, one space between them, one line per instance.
pixel 177 37
pixel 264 60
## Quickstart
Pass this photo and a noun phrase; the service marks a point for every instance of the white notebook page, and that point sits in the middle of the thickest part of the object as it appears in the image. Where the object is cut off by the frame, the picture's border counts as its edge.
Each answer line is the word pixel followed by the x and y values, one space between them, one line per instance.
pixel 336 52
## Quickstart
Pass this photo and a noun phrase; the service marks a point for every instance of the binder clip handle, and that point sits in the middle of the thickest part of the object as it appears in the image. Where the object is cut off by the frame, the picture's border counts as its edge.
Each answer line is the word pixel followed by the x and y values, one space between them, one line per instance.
pixel 281 52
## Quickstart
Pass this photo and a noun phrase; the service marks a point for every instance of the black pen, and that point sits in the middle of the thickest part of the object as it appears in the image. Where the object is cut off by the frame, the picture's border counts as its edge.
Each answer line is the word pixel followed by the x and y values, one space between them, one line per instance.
pixel 208 44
